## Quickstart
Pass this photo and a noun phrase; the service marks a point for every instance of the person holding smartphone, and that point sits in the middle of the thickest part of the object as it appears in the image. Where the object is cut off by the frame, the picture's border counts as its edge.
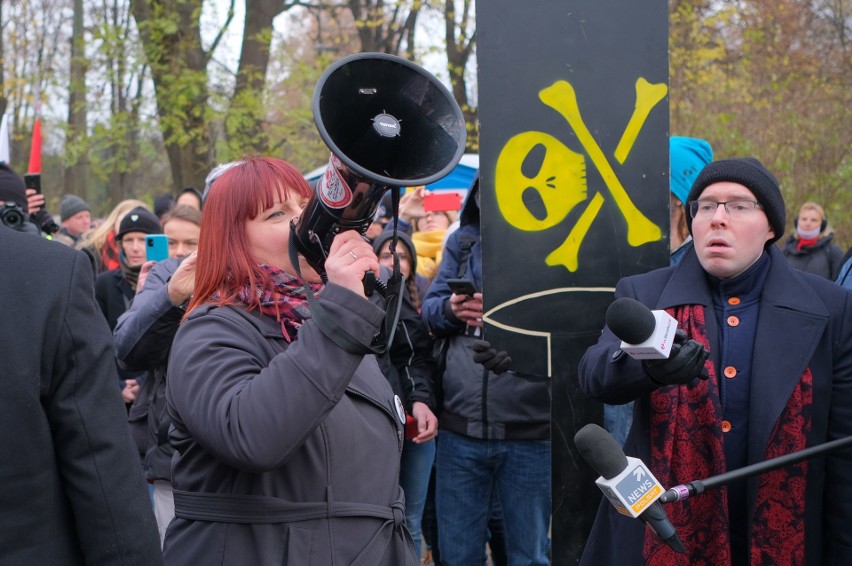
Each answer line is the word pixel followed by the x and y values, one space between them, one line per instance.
pixel 143 341
pixel 115 289
pixel 494 423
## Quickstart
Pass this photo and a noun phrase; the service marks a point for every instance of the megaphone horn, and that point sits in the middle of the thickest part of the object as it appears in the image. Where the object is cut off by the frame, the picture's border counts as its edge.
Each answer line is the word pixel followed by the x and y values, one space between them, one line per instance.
pixel 388 123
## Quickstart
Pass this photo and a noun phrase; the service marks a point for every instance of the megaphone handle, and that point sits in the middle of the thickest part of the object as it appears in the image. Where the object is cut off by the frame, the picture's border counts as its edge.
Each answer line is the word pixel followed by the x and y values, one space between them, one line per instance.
pixel 369 283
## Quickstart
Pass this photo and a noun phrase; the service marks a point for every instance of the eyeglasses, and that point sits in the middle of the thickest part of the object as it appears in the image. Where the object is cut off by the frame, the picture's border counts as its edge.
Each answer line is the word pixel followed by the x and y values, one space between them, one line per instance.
pixel 385 256
pixel 705 209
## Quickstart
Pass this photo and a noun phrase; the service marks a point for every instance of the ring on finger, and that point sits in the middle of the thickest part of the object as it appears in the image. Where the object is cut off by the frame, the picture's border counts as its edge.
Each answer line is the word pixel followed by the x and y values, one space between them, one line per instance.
pixel 353 255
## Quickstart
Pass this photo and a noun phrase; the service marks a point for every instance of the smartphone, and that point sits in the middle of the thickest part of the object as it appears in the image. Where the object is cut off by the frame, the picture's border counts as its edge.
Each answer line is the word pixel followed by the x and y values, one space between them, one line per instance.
pixel 156 247
pixel 442 202
pixel 461 287
pixel 33 181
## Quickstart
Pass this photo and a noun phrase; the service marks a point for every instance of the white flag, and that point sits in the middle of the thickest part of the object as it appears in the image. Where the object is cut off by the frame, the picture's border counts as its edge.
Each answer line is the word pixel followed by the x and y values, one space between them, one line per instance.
pixel 4 139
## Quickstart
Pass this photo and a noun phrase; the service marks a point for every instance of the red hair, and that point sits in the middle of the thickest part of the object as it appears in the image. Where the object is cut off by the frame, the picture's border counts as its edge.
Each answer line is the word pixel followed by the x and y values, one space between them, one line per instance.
pixel 225 263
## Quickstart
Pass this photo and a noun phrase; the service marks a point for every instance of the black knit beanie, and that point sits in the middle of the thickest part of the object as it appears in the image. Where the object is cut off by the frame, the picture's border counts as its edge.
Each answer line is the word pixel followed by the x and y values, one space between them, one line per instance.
pixel 139 220
pixel 12 187
pixel 750 173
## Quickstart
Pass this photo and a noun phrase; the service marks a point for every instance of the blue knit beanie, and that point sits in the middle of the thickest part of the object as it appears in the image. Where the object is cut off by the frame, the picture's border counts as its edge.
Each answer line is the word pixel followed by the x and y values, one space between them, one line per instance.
pixel 687 157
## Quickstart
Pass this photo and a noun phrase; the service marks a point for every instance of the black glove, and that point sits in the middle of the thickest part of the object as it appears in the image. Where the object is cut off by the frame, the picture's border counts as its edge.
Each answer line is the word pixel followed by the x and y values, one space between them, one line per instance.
pixel 491 359
pixel 684 364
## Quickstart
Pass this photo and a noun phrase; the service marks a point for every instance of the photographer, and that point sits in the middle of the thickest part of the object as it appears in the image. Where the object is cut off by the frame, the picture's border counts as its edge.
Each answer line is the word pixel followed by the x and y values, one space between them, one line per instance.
pixel 14 208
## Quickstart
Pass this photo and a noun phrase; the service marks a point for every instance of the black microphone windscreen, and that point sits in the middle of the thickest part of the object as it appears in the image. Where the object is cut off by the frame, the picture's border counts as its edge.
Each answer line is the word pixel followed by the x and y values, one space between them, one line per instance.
pixel 600 450
pixel 630 320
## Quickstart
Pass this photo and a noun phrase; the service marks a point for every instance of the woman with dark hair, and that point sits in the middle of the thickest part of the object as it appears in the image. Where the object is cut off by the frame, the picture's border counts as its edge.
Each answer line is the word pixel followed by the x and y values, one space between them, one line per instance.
pixel 189 197
pixel 410 368
pixel 287 445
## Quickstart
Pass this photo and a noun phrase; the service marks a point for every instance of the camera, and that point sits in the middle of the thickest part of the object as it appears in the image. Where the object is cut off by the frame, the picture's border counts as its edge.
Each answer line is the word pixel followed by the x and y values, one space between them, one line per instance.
pixel 13 216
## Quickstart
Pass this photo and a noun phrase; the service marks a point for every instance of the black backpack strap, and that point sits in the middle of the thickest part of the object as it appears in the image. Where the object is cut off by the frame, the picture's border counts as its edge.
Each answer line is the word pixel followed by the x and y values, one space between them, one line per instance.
pixel 466 242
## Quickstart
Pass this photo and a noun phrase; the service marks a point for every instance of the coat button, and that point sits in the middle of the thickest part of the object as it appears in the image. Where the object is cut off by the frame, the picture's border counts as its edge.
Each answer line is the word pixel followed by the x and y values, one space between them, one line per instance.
pixel 726 426
pixel 733 321
pixel 734 301
pixel 730 372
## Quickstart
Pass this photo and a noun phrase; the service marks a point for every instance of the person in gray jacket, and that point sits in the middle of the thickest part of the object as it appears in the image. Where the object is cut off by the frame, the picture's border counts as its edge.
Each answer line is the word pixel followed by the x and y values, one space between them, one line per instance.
pixel 287 445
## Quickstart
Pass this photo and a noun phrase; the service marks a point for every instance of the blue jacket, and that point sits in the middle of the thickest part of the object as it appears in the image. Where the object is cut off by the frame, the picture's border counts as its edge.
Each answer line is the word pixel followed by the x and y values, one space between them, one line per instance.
pixel 845 277
pixel 143 340
pixel 805 322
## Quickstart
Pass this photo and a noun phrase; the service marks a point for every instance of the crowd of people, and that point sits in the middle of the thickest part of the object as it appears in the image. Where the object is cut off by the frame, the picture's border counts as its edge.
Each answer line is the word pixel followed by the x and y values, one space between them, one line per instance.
pixel 243 386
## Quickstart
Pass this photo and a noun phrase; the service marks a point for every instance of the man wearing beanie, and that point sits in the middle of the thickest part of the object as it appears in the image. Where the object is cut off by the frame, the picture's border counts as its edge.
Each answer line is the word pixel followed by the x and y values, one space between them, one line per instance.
pixel 116 288
pixel 76 219
pixel 12 187
pixel 762 367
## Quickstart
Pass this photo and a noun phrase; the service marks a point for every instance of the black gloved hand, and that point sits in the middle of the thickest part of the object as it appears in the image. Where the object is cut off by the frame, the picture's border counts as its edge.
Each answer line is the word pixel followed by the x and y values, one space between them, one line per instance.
pixel 684 364
pixel 491 359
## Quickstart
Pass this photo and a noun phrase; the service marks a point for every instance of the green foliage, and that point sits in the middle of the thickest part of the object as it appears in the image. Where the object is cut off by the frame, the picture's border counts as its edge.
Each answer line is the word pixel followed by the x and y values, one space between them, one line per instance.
pixel 768 78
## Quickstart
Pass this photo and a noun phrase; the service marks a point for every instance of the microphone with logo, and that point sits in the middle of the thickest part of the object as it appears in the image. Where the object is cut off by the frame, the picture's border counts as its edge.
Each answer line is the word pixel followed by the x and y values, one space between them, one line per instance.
pixel 626 482
pixel 653 338
pixel 645 334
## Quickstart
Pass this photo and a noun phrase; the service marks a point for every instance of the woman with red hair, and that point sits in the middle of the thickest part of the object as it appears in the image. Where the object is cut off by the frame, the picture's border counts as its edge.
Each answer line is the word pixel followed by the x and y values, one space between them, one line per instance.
pixel 287 445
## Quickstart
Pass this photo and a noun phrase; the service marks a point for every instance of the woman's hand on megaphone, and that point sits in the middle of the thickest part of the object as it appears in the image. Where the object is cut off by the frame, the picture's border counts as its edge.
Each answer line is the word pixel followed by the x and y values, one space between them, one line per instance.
pixel 349 258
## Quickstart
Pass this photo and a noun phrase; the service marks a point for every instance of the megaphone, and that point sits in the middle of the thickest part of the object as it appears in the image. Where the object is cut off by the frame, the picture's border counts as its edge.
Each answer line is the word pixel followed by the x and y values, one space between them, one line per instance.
pixel 388 123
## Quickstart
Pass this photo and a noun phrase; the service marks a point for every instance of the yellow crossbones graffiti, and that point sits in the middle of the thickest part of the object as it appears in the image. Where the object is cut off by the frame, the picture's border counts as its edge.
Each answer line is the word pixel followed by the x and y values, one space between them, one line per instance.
pixel 561 182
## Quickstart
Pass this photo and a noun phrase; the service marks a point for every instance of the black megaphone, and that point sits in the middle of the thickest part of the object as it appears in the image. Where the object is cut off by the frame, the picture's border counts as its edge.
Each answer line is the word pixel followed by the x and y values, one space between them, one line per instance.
pixel 388 123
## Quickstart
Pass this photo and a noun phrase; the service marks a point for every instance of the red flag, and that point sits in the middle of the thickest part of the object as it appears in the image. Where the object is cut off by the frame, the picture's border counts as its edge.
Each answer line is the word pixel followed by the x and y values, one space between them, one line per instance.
pixel 35 150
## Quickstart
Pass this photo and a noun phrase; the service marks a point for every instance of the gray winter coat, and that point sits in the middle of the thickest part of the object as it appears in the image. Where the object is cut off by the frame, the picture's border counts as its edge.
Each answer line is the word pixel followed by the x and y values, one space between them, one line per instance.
pixel 285 453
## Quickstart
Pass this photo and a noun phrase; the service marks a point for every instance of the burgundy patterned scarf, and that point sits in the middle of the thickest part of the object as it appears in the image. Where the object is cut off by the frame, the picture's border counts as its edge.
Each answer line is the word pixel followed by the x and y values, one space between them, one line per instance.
pixel 286 301
pixel 686 444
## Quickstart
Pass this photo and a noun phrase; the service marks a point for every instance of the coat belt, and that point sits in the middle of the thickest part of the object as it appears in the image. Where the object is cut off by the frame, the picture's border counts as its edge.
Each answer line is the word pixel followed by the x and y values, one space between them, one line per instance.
pixel 261 509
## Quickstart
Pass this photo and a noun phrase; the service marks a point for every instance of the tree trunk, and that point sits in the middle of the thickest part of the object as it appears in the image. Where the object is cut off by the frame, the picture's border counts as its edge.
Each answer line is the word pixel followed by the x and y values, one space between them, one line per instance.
pixel 171 37
pixel 247 113
pixel 459 50
pixel 76 169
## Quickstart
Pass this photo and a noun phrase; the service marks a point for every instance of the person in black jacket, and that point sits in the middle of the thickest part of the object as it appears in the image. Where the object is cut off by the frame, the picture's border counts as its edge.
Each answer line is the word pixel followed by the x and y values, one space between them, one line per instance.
pixel 410 367
pixel 70 488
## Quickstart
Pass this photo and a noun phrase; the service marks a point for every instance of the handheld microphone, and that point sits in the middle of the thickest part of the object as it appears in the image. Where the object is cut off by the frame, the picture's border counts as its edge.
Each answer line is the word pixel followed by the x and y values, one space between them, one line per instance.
pixel 645 334
pixel 626 482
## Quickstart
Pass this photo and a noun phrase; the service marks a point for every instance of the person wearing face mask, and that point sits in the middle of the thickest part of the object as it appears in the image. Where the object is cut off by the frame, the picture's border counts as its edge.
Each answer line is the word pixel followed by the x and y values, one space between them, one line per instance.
pixel 810 247
pixel 287 438
pixel 764 369
pixel 143 339
pixel 115 289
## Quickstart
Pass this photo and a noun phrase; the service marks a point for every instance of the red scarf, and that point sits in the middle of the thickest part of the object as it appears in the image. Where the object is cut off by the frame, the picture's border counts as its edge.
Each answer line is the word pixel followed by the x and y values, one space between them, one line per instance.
pixel 806 243
pixel 686 444
pixel 109 253
pixel 286 301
